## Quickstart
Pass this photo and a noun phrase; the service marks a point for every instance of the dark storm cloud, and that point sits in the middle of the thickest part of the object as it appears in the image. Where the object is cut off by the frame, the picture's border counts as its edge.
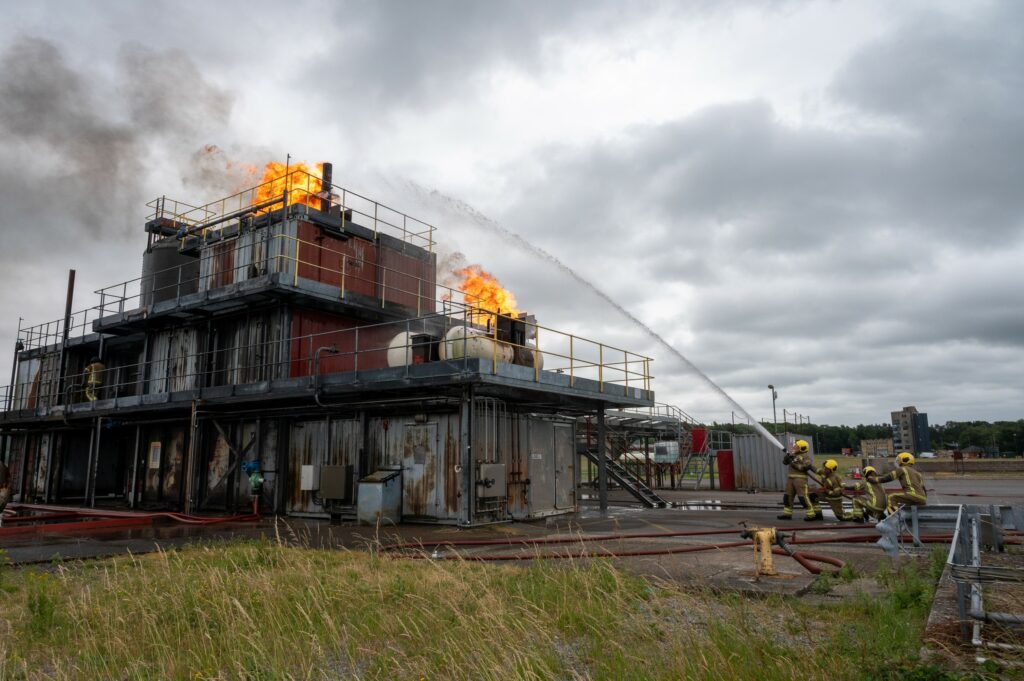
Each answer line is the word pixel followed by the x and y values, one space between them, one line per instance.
pixel 396 52
pixel 77 145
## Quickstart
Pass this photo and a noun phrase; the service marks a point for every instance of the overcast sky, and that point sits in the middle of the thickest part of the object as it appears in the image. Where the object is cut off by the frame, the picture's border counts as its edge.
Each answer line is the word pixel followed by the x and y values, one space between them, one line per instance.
pixel 826 196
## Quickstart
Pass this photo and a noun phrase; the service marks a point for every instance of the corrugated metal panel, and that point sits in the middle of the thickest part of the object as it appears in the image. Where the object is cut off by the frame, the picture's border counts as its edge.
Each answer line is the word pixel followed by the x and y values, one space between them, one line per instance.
pixel 758 464
pixel 175 360
pixel 408 280
pixel 392 443
pixel 312 330
pixel 307 446
pixel 248 349
pixel 324 258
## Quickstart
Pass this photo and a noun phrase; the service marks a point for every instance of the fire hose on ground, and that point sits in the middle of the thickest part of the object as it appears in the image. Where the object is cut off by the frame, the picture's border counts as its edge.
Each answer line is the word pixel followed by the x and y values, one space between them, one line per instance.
pixel 90 519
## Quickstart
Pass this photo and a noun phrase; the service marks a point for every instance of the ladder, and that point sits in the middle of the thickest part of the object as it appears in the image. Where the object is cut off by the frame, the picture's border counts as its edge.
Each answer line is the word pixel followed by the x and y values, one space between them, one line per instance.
pixel 629 482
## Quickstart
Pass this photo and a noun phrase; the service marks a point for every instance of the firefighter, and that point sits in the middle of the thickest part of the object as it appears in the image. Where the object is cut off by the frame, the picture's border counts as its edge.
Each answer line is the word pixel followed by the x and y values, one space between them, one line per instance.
pixel 5 488
pixel 832 487
pixel 910 480
pixel 873 502
pixel 796 485
pixel 93 378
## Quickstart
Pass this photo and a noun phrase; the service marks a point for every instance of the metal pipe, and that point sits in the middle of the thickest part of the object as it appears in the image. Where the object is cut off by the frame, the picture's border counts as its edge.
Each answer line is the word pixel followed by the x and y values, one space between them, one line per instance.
pixel 333 349
pixel 69 300
pixel 18 347
pixel 135 466
pixel 325 189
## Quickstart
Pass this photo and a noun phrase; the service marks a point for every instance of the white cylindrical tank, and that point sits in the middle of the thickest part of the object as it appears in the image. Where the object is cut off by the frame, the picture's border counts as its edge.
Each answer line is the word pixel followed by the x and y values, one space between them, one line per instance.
pixel 467 341
pixel 400 350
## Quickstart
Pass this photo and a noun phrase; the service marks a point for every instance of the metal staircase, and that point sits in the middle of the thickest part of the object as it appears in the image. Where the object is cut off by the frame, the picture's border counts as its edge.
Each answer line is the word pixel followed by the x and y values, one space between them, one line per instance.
pixel 629 482
pixel 698 463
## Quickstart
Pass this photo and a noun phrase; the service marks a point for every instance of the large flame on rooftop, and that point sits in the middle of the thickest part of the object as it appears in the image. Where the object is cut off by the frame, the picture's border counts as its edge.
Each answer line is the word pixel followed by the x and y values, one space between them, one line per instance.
pixel 303 183
pixel 483 291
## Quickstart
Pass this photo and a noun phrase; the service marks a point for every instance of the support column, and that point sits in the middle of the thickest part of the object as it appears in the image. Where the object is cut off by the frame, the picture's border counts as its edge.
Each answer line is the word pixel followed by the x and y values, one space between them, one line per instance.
pixel 466 460
pixel 94 457
pixel 647 460
pixel 602 462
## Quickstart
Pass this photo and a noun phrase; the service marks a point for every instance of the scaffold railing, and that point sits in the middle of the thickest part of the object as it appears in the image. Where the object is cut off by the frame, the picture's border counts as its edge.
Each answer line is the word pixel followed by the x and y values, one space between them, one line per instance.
pixel 296 186
pixel 341 350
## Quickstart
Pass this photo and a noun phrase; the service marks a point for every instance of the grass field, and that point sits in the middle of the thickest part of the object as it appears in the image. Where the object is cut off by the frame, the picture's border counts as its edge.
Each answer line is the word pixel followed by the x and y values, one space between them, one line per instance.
pixel 264 610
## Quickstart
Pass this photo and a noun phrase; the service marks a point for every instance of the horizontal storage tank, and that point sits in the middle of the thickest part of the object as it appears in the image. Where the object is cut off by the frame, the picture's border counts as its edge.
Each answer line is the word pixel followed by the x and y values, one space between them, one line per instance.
pixel 167 273
pixel 466 341
pixel 410 348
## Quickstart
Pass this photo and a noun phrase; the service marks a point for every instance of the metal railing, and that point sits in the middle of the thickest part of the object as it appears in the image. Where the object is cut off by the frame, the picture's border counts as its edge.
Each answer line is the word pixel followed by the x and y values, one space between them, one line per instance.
pixel 296 186
pixel 348 350
pixel 973 529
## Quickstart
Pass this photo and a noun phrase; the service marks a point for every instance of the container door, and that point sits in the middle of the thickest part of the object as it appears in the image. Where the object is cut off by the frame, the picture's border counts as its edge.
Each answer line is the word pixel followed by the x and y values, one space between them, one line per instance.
pixel 565 468
pixel 542 466
pixel 306 448
pixel 419 470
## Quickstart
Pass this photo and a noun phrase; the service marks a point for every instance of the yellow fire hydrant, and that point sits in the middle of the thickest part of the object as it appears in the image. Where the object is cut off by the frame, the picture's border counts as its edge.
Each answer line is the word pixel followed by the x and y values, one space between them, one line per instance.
pixel 764 539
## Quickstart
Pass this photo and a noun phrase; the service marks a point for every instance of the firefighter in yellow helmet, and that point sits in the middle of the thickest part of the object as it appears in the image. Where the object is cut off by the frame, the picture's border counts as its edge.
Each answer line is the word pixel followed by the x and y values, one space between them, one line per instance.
pixel 873 502
pixel 796 485
pixel 910 480
pixel 94 378
pixel 832 487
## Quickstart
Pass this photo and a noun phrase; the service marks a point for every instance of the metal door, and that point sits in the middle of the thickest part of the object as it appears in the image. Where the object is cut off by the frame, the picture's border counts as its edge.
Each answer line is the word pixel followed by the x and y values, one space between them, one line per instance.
pixel 306 447
pixel 419 470
pixel 542 466
pixel 565 467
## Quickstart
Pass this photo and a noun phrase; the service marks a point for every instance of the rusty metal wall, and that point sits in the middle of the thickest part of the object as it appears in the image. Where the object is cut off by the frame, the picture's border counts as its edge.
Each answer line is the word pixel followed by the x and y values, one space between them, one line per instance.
pixel 163 455
pixel 242 257
pixel 428 457
pixel 37 379
pixel 174 360
pixel 249 348
pixel 319 442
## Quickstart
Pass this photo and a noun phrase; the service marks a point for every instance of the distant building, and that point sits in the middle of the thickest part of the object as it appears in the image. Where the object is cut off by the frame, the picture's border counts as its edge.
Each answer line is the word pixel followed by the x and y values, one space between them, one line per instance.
pixel 910 431
pixel 876 447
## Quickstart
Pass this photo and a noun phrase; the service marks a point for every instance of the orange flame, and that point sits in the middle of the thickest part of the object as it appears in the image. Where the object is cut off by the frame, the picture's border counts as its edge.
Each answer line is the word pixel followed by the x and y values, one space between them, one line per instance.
pixel 303 183
pixel 483 291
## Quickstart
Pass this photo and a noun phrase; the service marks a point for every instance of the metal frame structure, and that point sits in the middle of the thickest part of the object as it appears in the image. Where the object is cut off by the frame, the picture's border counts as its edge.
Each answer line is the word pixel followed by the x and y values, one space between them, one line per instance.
pixel 273 338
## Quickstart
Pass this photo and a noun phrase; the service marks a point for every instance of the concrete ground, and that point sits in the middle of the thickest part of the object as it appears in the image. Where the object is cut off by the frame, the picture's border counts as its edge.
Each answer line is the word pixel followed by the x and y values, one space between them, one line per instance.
pixel 729 512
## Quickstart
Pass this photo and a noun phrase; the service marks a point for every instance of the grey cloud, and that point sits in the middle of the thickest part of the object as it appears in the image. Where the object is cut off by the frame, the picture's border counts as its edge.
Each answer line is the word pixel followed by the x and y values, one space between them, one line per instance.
pixel 80 143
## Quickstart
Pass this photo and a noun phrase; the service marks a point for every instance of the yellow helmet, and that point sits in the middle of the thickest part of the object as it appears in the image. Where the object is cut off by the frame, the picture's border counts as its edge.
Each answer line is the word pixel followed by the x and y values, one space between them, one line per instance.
pixel 801 446
pixel 831 464
pixel 869 470
pixel 906 459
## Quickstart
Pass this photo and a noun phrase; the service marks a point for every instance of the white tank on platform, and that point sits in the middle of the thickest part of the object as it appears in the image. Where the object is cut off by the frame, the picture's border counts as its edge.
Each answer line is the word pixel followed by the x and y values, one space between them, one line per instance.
pixel 466 341
pixel 409 348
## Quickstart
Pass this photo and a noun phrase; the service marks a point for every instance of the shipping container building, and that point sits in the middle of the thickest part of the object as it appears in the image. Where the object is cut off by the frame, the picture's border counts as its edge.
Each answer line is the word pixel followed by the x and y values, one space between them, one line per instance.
pixel 298 331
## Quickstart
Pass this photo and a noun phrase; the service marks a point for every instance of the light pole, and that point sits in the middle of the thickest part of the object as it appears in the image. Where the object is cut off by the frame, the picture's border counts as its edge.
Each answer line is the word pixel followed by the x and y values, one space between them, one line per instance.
pixel 775 418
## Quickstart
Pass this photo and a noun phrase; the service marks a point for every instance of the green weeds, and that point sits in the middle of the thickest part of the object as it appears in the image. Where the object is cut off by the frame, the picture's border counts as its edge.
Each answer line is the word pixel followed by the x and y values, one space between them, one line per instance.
pixel 262 610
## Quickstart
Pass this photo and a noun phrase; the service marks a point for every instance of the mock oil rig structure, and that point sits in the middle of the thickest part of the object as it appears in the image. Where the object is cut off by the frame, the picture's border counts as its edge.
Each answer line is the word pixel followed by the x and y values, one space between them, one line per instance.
pixel 297 331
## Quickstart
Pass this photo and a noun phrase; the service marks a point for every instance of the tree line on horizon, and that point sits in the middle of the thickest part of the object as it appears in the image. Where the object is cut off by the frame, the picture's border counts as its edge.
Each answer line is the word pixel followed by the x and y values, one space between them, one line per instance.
pixel 998 436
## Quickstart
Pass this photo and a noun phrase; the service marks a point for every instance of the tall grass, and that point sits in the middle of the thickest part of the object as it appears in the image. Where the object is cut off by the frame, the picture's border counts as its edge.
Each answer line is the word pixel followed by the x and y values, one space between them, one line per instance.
pixel 263 610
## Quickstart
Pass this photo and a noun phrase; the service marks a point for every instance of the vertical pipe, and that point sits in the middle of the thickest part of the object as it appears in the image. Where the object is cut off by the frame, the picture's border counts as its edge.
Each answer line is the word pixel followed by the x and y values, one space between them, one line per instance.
pixel 94 458
pixel 325 188
pixel 69 300
pixel 189 466
pixel 135 466
pixel 602 462
pixel 466 460
pixel 18 347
